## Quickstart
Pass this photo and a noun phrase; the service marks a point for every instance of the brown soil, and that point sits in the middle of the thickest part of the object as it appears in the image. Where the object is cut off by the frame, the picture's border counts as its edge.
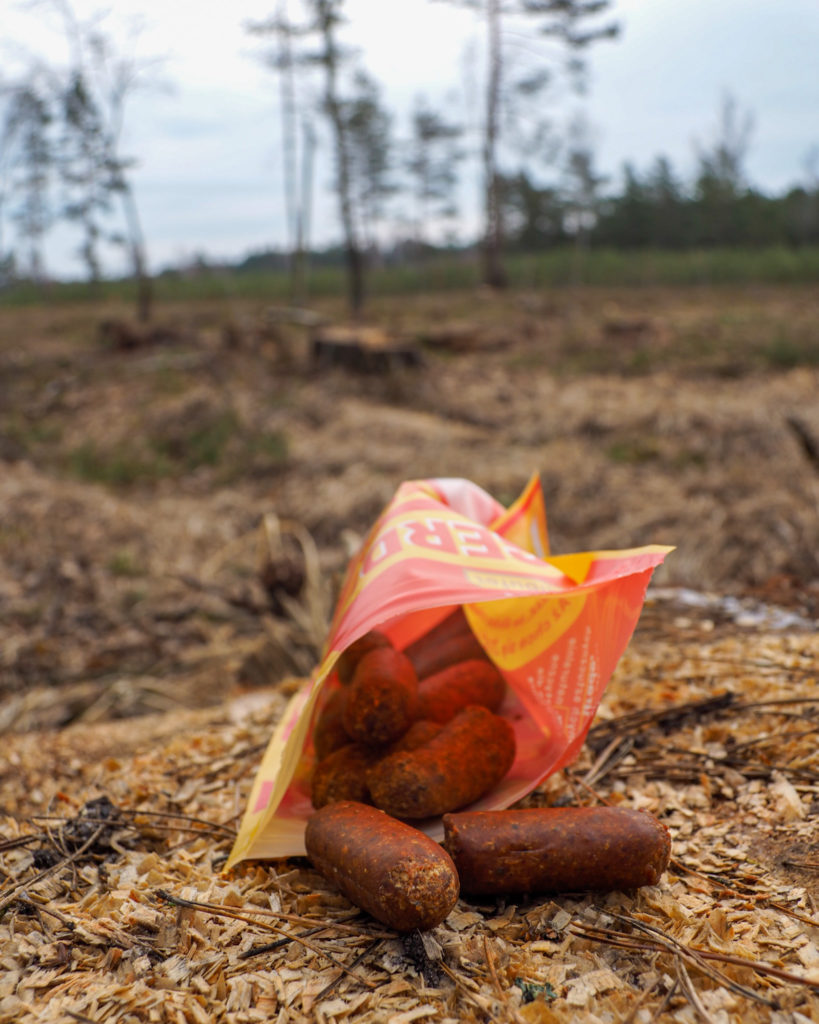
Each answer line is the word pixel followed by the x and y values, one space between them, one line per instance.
pixel 134 481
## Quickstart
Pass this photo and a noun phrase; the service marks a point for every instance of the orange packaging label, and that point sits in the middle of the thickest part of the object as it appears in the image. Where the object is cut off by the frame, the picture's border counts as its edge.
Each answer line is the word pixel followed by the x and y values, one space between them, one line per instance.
pixel 555 627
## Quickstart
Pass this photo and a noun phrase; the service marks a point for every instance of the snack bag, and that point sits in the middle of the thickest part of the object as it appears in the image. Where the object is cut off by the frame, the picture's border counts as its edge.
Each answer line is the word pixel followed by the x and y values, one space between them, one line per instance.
pixel 555 627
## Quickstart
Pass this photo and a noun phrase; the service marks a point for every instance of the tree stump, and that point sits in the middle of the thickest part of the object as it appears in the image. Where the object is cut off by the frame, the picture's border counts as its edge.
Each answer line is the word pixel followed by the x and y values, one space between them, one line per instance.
pixel 361 349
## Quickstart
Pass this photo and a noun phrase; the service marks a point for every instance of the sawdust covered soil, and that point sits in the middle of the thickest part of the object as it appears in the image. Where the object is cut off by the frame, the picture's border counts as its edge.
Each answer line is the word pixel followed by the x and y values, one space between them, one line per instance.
pixel 114 907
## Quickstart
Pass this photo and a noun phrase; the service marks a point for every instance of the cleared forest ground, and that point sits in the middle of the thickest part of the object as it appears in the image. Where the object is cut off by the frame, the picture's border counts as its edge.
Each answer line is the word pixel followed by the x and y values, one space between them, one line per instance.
pixel 174 520
pixel 134 482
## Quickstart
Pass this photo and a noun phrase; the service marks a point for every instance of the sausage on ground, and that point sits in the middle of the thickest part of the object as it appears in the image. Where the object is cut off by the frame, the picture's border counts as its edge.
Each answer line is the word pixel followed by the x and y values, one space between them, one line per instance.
pixel 396 873
pixel 556 849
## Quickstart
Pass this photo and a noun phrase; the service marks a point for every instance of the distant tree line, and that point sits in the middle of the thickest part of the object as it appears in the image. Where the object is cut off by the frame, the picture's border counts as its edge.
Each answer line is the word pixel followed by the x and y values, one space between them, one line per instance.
pixel 656 209
pixel 659 209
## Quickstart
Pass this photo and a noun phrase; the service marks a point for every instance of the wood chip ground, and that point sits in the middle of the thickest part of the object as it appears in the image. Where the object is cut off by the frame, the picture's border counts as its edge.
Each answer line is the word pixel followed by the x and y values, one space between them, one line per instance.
pixel 115 909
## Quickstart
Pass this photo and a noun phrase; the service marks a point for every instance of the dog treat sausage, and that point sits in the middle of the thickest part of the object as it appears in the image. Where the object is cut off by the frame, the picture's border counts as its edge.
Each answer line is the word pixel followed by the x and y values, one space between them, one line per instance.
pixel 442 695
pixel 342 775
pixel 446 644
pixel 454 624
pixel 329 733
pixel 350 657
pixel 396 873
pixel 467 758
pixel 556 849
pixel 382 698
pixel 418 735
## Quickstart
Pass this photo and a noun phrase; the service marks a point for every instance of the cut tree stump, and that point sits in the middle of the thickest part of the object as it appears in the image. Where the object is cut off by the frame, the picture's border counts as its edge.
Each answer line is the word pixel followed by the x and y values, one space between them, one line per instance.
pixel 361 349
pixel 124 335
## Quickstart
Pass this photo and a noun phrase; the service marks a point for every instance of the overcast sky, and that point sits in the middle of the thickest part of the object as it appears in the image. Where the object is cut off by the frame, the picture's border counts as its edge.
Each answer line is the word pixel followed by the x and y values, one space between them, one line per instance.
pixel 209 175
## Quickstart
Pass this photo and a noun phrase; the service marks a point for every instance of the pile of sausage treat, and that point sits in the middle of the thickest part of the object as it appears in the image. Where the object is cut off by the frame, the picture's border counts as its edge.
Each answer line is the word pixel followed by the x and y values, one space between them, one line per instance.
pixel 412 735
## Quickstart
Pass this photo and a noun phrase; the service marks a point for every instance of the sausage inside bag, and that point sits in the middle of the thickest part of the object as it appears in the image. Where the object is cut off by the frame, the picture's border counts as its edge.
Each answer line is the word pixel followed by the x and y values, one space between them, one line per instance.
pixel 446 573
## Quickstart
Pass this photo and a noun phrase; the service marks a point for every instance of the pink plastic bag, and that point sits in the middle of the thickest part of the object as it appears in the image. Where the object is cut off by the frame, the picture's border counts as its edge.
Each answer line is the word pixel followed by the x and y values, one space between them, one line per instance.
pixel 555 627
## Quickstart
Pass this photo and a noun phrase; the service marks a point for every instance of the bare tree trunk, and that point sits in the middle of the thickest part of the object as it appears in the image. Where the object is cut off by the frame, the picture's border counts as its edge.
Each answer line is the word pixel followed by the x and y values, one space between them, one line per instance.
pixel 35 261
pixel 493 272
pixel 354 256
pixel 289 143
pixel 304 212
pixel 136 244
pixel 353 253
